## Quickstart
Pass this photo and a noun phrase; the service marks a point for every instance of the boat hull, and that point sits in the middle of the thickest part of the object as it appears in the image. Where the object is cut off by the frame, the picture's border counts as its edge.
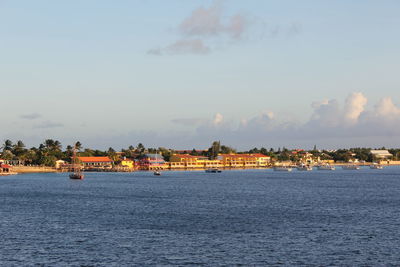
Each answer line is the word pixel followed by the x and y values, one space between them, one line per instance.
pixel 326 168
pixel 76 176
pixel 213 171
pixel 350 168
pixel 376 167
pixel 282 169
pixel 307 169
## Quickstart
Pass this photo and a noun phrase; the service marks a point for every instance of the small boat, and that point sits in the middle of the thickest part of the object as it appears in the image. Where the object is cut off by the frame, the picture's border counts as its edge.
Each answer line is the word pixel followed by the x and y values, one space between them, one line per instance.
pixel 326 167
pixel 213 170
pixel 76 167
pixel 157 173
pixel 376 167
pixel 304 167
pixel 77 176
pixel 350 167
pixel 283 169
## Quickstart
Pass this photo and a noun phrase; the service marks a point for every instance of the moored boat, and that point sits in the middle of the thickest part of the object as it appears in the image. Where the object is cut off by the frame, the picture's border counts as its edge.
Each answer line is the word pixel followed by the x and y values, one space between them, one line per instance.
pixel 76 167
pixel 304 167
pixel 350 167
pixel 376 167
pixel 326 167
pixel 157 173
pixel 283 169
pixel 213 170
pixel 77 176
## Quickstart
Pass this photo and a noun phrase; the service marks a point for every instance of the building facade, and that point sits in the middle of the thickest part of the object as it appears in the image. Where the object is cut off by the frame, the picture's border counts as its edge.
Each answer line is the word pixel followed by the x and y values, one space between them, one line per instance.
pixel 151 162
pixel 89 163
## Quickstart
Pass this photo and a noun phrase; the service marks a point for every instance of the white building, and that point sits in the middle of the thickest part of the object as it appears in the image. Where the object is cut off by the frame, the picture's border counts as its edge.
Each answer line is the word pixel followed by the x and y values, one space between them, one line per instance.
pixel 381 154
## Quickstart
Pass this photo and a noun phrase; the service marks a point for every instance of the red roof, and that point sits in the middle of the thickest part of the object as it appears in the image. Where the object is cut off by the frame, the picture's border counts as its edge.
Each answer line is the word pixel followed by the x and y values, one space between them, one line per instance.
pixel 94 159
pixel 186 156
pixel 5 166
pixel 257 155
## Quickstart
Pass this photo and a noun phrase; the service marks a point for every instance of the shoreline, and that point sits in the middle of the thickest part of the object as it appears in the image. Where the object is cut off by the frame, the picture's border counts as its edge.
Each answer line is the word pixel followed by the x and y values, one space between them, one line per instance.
pixel 39 169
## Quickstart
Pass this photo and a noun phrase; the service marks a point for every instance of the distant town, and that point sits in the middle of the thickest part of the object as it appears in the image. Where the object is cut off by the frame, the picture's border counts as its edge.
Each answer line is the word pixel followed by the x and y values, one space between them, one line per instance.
pixel 50 156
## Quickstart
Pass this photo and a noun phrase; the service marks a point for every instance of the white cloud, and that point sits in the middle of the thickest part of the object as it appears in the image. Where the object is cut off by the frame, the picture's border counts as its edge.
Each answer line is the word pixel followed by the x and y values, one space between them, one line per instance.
pixel 203 21
pixel 218 119
pixel 330 125
pixel 203 24
pixel 386 108
pixel 354 106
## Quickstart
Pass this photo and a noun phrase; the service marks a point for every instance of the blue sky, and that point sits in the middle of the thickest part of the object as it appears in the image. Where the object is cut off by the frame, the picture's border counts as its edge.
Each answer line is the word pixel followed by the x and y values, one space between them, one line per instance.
pixel 184 73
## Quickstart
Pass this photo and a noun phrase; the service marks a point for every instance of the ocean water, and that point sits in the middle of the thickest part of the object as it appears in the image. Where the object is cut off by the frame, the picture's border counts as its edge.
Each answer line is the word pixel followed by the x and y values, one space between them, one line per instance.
pixel 248 218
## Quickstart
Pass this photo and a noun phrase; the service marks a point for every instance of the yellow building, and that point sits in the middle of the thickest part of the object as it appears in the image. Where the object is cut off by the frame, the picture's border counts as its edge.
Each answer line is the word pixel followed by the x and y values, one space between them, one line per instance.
pixel 186 161
pixel 244 160
pixel 128 163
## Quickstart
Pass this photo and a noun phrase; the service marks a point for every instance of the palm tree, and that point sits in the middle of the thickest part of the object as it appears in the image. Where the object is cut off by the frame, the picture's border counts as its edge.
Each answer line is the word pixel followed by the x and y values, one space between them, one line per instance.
pixel 78 146
pixel 19 149
pixel 7 145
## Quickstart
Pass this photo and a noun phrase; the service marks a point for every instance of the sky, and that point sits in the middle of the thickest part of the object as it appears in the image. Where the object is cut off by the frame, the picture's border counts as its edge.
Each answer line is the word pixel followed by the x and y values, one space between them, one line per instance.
pixel 183 73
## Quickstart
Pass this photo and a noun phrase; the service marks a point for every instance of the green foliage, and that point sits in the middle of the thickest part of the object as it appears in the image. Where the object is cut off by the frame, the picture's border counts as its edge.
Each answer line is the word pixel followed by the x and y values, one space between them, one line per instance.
pixel 166 153
pixel 48 152
pixel 227 150
pixel 214 150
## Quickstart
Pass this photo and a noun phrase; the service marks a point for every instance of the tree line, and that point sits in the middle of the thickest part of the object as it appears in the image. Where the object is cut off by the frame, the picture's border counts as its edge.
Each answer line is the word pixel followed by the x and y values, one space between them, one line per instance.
pixel 48 152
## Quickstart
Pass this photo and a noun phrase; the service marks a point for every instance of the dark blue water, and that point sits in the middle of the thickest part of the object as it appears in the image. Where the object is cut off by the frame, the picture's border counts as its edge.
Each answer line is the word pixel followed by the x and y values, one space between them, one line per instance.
pixel 254 218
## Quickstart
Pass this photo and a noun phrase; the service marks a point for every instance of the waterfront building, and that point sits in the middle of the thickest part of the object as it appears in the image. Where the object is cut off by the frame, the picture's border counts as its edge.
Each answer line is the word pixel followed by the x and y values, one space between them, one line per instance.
pixel 12 162
pixel 244 160
pixel 128 163
pixel 262 160
pixel 5 168
pixel 60 163
pixel 185 161
pixel 381 154
pixel 151 162
pixel 308 158
pixel 96 162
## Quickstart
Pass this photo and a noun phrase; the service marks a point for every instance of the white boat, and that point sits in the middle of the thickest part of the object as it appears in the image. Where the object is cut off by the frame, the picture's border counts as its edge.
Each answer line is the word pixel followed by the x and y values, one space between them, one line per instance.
pixel 350 167
pixel 304 167
pixel 326 167
pixel 376 167
pixel 283 169
pixel 157 173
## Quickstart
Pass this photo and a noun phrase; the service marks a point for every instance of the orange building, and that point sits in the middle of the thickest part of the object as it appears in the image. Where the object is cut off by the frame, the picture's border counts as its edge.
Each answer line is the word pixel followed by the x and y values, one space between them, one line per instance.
pixel 96 162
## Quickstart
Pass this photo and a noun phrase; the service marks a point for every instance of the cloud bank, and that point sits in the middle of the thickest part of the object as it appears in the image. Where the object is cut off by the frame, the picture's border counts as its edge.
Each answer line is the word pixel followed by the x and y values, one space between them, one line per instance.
pixel 331 124
pixel 203 25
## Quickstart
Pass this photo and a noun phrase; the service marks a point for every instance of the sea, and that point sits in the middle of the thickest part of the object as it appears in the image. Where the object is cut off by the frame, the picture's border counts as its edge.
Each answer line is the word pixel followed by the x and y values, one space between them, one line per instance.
pixel 193 218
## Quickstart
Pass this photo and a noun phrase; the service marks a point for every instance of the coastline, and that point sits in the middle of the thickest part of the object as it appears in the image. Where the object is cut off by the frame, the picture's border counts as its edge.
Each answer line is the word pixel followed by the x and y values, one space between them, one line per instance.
pixel 42 169
pixel 32 169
